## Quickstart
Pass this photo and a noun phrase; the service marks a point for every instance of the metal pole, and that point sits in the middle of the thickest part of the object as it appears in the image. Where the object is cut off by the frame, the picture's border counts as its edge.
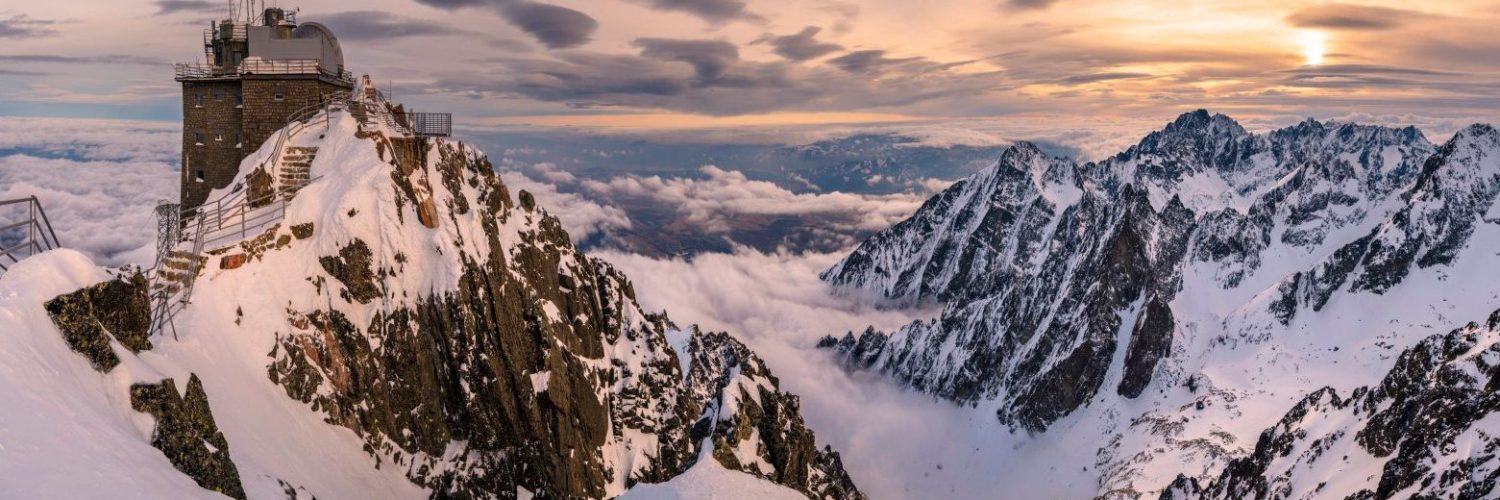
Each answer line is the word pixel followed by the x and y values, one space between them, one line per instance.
pixel 31 228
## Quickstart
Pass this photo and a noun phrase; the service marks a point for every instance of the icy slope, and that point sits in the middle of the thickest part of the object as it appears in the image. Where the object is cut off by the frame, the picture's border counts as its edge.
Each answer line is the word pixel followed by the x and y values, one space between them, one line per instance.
pixel 61 417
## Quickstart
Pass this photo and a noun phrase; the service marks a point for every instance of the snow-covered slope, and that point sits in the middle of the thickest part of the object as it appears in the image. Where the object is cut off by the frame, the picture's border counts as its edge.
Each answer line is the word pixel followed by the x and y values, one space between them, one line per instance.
pixel 409 329
pixel 1428 429
pixel 1206 280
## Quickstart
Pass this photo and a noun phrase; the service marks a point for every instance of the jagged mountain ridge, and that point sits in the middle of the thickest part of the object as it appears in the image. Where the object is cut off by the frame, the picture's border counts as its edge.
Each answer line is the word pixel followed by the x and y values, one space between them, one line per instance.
pixel 454 328
pixel 1014 259
pixel 1249 242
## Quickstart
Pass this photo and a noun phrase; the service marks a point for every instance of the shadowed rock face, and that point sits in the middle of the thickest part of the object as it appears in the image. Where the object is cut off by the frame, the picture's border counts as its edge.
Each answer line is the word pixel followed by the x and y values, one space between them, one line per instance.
pixel 1150 341
pixel 185 432
pixel 1437 394
pixel 1044 336
pixel 536 370
pixel 117 309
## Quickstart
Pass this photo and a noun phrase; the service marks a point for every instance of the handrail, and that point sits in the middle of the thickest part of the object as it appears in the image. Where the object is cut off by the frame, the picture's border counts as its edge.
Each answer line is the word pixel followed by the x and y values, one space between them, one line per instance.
pixel 252 66
pixel 297 119
pixel 40 236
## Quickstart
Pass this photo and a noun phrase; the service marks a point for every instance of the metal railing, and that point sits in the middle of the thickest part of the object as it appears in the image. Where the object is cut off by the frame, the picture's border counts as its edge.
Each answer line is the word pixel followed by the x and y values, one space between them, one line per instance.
pixel 237 33
pixel 431 124
pixel 257 66
pixel 236 213
pixel 26 237
pixel 182 71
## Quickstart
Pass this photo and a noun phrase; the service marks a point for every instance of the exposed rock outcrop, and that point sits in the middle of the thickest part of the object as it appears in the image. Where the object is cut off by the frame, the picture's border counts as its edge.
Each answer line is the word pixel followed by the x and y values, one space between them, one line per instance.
pixel 186 433
pixel 117 309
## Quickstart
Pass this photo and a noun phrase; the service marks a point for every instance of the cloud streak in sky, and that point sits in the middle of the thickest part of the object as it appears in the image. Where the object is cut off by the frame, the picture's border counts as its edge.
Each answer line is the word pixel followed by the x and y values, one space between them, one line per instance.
pixel 801 46
pixel 1342 16
pixel 23 26
pixel 366 25
pixel 556 27
pixel 169 7
pixel 715 11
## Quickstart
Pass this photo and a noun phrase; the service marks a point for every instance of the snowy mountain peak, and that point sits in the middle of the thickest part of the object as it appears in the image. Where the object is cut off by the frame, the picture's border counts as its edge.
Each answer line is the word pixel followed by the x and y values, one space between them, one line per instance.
pixel 411 329
pixel 1200 121
pixel 1196 131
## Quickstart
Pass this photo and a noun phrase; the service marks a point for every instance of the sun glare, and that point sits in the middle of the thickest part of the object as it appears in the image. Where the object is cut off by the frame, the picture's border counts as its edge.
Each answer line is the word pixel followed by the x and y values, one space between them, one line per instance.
pixel 1314 44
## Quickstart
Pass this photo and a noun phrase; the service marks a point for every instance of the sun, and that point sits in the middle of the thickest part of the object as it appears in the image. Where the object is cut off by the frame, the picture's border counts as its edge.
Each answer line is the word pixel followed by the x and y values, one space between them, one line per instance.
pixel 1314 45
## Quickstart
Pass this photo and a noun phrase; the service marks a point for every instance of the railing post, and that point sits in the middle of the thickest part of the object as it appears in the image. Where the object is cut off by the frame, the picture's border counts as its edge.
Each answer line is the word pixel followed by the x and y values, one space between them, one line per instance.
pixel 31 227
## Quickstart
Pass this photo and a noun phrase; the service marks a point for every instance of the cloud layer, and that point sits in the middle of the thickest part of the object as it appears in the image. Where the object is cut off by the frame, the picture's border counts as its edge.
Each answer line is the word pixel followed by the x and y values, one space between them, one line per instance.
pixel 815 61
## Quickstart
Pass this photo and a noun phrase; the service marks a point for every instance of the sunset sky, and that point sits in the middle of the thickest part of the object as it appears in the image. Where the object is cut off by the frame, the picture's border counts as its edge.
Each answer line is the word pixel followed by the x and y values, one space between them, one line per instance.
pixel 705 63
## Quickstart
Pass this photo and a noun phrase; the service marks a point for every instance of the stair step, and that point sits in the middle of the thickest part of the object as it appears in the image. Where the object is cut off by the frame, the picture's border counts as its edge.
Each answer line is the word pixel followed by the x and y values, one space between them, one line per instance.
pixel 181 255
pixel 178 265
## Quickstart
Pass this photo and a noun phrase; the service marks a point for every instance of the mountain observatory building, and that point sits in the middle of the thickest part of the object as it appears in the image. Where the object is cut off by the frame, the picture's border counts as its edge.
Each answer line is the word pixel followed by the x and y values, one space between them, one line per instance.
pixel 258 70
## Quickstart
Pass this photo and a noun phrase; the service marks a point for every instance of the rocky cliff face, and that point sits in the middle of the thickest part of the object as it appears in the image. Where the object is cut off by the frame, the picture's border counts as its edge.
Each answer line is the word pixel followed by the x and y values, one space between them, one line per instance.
pixel 412 298
pixel 1059 278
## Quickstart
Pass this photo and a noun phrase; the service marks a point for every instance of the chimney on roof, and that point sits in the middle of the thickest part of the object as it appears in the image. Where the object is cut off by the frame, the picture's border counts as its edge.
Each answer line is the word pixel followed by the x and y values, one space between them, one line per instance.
pixel 276 18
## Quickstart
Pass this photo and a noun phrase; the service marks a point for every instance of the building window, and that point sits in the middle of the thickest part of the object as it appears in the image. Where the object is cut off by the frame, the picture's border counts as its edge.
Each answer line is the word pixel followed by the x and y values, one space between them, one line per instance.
pixel 200 176
pixel 218 137
pixel 198 137
pixel 237 141
pixel 239 100
pixel 218 97
pixel 199 102
pixel 279 96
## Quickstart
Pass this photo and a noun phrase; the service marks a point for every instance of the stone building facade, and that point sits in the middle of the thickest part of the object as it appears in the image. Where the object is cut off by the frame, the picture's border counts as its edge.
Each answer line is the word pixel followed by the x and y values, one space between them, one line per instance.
pixel 256 76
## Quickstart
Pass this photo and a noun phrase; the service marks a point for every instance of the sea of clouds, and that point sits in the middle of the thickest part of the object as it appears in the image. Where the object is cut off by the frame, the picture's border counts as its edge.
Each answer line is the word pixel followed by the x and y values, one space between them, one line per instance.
pixel 98 180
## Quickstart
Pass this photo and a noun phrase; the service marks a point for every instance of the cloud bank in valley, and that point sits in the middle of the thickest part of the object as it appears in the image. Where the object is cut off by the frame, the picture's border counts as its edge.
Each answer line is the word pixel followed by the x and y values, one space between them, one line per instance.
pixel 714 208
pixel 895 443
